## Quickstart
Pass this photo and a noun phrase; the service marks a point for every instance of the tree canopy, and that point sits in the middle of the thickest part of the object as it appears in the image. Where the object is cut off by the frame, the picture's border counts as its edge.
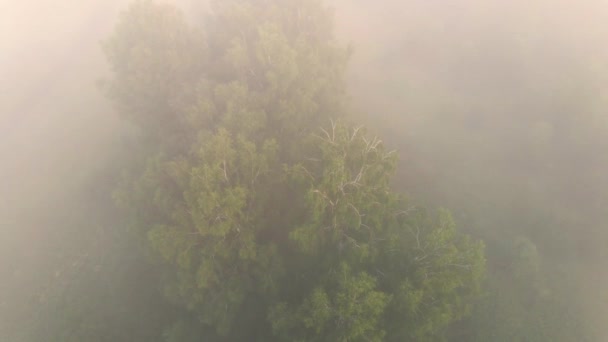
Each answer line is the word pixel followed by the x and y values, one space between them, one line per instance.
pixel 268 212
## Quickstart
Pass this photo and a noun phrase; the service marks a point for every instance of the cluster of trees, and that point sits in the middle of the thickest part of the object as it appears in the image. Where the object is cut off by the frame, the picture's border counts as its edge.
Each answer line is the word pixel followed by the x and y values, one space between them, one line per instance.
pixel 255 209
pixel 247 204
pixel 271 215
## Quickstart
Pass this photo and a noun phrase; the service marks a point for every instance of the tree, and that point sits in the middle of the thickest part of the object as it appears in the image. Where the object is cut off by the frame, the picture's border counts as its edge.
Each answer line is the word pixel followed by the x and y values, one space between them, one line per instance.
pixel 271 223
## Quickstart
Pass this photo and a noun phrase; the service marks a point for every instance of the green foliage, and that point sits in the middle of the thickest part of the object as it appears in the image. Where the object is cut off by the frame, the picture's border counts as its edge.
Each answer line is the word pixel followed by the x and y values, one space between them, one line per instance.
pixel 154 60
pixel 521 305
pixel 445 272
pixel 245 189
pixel 348 308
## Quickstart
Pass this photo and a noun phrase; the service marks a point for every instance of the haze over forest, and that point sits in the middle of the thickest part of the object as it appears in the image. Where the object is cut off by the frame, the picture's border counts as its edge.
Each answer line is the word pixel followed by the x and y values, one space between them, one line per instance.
pixel 497 111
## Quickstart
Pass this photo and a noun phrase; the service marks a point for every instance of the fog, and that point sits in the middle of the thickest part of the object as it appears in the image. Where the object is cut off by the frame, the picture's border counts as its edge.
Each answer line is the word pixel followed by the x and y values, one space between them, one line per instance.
pixel 497 109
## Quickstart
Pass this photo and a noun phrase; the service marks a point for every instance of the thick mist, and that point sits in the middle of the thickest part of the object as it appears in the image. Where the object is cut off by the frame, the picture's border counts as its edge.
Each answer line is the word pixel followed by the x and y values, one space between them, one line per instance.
pixel 497 108
pixel 57 131
pixel 499 111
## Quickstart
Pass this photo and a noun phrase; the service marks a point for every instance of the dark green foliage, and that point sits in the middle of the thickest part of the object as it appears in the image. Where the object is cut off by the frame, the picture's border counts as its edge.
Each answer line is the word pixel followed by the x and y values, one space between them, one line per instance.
pixel 270 223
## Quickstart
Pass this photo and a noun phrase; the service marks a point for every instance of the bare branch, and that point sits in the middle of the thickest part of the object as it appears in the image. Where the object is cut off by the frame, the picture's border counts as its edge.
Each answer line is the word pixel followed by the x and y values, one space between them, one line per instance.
pixel 225 172
pixel 461 266
pixel 405 212
pixel 327 134
pixel 359 216
pixel 307 172
pixel 325 197
pixel 355 132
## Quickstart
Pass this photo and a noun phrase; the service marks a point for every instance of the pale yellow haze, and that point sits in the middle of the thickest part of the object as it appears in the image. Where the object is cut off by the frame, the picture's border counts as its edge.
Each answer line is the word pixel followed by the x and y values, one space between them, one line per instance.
pixel 56 127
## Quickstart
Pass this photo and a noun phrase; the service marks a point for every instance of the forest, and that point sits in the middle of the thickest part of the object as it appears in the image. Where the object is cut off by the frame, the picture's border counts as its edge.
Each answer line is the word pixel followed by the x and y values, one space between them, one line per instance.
pixel 304 170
